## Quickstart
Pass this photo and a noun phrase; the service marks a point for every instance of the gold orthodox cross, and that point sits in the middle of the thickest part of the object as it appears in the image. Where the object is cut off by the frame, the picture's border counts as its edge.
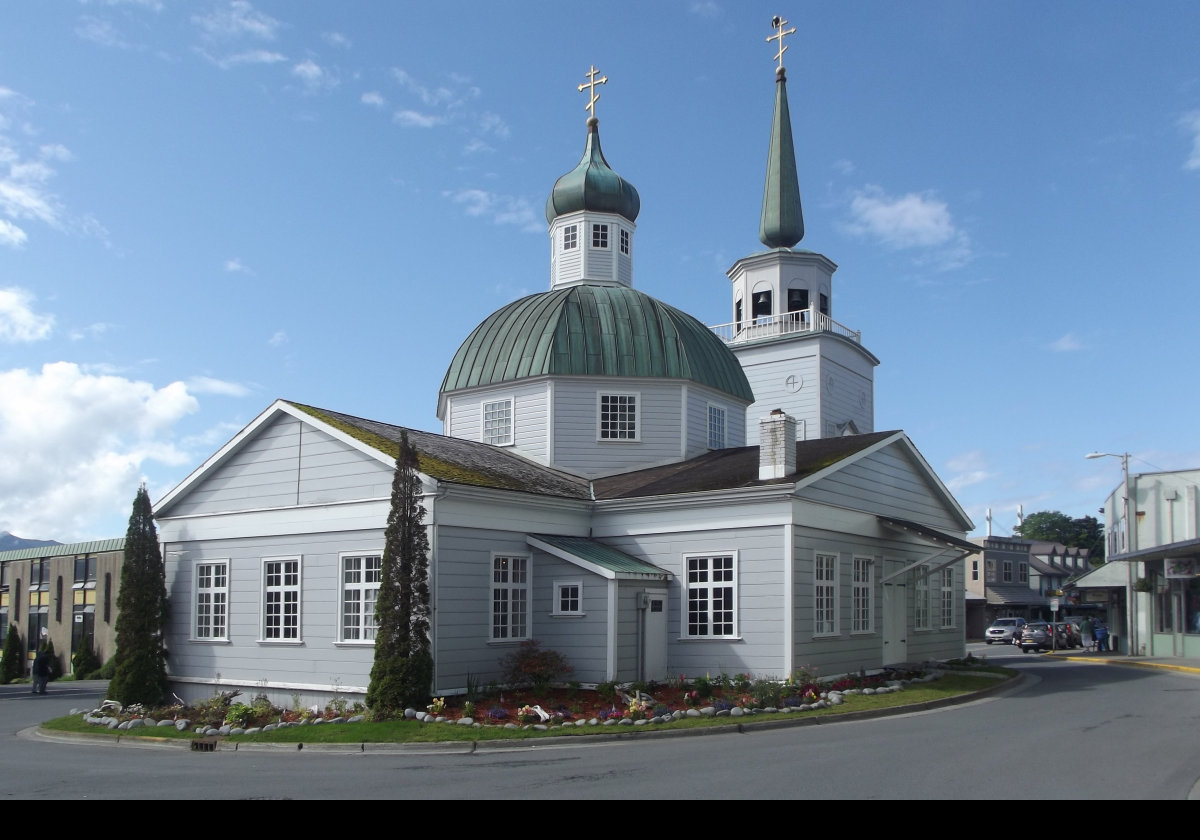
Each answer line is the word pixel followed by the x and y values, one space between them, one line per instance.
pixel 778 23
pixel 591 83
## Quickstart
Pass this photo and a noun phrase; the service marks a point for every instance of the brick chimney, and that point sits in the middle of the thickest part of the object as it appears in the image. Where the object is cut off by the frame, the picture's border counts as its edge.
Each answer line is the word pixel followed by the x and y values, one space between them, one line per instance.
pixel 776 445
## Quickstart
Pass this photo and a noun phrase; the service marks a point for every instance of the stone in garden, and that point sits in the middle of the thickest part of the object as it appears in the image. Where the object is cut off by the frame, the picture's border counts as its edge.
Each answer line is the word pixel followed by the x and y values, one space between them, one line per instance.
pixel 410 713
pixel 237 730
pixel 693 713
pixel 356 719
pixel 336 720
pixel 708 711
pixel 270 727
pixel 625 722
pixel 724 713
pixel 165 723
pixel 466 721
pixel 253 730
pixel 737 711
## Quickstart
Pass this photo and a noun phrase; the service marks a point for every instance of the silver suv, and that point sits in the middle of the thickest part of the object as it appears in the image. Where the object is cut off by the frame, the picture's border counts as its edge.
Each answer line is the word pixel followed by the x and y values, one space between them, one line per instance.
pixel 1004 630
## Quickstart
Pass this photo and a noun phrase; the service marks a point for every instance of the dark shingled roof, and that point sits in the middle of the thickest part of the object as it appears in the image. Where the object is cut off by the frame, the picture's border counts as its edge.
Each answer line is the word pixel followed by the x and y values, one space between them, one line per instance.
pixel 723 469
pixel 458 461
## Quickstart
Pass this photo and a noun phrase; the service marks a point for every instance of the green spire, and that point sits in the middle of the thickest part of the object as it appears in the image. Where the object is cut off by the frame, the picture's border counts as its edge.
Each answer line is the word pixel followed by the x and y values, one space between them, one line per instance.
pixel 782 222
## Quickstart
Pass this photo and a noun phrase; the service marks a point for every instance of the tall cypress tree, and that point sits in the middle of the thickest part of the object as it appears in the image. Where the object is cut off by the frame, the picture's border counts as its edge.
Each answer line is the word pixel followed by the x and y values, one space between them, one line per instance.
pixel 140 660
pixel 12 662
pixel 403 669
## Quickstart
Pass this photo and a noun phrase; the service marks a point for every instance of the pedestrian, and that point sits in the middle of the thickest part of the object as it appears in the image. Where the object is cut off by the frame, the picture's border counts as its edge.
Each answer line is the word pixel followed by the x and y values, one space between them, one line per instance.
pixel 1101 632
pixel 1085 631
pixel 41 671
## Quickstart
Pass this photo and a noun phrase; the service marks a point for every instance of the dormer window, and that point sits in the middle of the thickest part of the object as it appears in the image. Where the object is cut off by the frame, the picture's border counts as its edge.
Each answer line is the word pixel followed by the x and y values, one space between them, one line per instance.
pixel 570 237
pixel 625 242
pixel 600 236
pixel 824 304
pixel 498 422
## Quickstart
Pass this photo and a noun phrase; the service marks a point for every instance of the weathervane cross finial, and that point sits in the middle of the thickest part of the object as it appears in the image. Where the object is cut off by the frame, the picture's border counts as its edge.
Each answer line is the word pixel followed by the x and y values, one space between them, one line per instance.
pixel 591 83
pixel 778 23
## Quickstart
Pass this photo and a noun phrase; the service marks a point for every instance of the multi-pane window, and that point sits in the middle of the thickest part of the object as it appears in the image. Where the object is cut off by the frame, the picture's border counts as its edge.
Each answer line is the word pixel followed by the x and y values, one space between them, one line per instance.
pixel 825 595
pixel 618 417
pixel 975 569
pixel 568 598
pixel 711 597
pixel 570 237
pixel 862 596
pixel 1023 572
pixel 361 574
pixel 212 600
pixel 948 596
pixel 498 422
pixel 1007 566
pixel 281 599
pixel 624 242
pixel 990 570
pixel 85 570
pixel 921 618
pixel 3 616
pixel 39 603
pixel 510 597
pixel 599 236
pixel 716 427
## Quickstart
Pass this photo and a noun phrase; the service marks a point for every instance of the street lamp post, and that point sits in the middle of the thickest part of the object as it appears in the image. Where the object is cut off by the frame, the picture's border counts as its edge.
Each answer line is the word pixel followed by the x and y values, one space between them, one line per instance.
pixel 1130 513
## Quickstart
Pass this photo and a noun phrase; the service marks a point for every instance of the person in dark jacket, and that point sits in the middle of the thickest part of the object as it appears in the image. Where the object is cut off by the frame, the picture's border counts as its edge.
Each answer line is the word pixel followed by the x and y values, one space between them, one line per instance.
pixel 41 671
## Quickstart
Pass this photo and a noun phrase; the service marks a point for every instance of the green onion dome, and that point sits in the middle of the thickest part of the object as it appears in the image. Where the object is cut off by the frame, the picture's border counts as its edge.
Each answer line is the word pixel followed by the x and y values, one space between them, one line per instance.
pixel 593 185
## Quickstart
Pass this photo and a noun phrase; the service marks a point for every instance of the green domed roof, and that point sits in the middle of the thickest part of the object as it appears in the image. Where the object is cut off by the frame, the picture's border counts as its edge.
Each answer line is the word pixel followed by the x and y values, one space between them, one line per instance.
pixel 588 330
pixel 593 185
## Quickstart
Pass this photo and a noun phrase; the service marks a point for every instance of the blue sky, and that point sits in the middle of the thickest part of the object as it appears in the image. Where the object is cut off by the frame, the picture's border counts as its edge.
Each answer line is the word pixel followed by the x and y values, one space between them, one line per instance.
pixel 206 206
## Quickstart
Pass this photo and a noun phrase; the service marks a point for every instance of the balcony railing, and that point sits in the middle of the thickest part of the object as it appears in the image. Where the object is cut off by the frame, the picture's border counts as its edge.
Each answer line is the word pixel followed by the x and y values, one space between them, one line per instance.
pixel 789 323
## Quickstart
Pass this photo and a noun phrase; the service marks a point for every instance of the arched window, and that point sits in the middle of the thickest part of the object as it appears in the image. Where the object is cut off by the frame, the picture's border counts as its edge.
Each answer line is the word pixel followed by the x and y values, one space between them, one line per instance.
pixel 762 305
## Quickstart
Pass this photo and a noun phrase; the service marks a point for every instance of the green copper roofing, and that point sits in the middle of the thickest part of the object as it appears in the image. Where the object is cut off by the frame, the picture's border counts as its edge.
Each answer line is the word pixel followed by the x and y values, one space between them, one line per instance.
pixel 604 556
pixel 593 330
pixel 782 221
pixel 592 185
pixel 84 548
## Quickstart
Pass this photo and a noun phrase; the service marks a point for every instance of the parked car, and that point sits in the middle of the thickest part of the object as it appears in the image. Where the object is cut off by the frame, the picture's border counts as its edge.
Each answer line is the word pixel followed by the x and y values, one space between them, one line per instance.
pixel 1004 630
pixel 1036 635
pixel 1069 635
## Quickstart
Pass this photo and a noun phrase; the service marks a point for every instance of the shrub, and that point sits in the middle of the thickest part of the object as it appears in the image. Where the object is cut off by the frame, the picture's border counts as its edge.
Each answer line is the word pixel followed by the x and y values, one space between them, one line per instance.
pixel 12 664
pixel 108 669
pixel 85 663
pixel 531 667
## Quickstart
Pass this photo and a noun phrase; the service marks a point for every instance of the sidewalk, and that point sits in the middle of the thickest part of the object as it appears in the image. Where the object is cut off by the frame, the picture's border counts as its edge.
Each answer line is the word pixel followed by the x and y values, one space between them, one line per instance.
pixel 1165 663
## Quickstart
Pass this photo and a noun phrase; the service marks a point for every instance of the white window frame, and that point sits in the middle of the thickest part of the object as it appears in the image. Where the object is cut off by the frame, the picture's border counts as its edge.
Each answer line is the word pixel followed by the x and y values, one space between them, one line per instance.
pixel 618 414
pixel 562 593
pixel 825 593
pixel 921 602
pixel 359 588
pixel 291 614
pixel 570 237
pixel 710 596
pixel 1007 567
pixel 512 583
pixel 862 599
pixel 626 241
pixel 716 427
pixel 947 578
pixel 489 433
pixel 600 236
pixel 211 599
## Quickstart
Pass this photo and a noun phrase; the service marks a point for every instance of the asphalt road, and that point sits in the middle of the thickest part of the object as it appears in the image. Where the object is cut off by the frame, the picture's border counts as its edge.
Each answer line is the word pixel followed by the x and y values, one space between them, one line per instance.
pixel 1068 730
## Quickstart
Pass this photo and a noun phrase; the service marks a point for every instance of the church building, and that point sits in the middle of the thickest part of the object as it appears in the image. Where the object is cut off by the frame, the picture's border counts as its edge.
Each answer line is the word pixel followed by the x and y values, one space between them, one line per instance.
pixel 644 494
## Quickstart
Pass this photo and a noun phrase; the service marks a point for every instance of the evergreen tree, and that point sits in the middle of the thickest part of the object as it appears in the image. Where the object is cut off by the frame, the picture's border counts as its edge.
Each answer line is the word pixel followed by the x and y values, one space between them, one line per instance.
pixel 141 665
pixel 403 669
pixel 11 665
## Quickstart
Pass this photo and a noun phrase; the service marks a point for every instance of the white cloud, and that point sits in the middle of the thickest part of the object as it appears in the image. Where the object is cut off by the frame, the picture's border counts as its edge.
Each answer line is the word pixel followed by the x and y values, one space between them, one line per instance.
pixel 336 39
pixel 236 266
pixel 920 221
pixel 705 9
pixel 237 20
pixel 208 385
pixel 279 338
pixel 1067 343
pixel 843 166
pixel 12 235
pixel 501 209
pixel 18 321
pixel 967 469
pixel 314 76
pixel 101 32
pixel 247 57
pixel 76 443
pixel 372 98
pixel 414 119
pixel 493 124
pixel 1191 123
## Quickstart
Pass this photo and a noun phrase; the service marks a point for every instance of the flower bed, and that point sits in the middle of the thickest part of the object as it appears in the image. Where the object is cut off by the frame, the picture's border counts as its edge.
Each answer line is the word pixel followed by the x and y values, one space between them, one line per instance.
pixel 571 705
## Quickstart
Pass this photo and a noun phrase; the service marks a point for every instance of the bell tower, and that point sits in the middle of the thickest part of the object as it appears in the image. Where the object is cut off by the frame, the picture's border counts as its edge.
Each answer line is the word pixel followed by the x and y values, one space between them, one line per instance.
pixel 795 355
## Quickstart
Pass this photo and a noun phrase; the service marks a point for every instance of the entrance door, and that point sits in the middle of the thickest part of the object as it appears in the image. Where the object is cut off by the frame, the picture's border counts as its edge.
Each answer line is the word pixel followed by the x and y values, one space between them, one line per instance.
pixel 895 624
pixel 654 635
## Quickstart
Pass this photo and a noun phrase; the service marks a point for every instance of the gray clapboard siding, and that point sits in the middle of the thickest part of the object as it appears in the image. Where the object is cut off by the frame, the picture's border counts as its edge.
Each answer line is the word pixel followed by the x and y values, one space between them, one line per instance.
pixel 576 411
pixel 288 463
pixel 887 483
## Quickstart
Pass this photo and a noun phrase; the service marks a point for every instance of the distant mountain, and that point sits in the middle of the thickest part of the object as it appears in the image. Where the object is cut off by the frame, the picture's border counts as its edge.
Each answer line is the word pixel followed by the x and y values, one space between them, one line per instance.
pixel 8 542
